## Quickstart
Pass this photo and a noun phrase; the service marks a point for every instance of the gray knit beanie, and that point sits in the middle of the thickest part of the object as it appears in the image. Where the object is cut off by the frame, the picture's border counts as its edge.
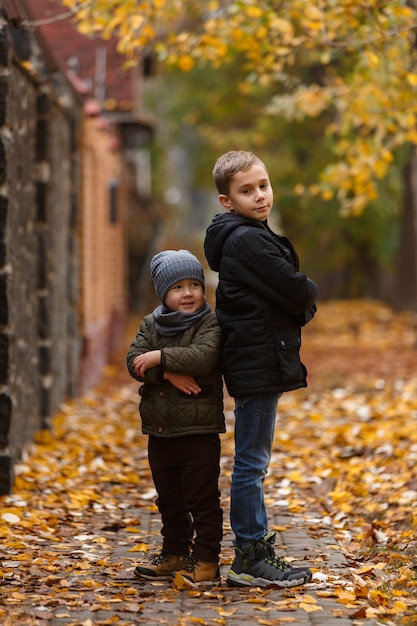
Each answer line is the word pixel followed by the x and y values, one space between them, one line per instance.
pixel 172 266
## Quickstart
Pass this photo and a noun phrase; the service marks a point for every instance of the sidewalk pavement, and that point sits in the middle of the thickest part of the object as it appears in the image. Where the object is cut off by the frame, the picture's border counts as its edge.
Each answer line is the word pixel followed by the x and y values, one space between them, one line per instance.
pixel 130 601
pixel 80 573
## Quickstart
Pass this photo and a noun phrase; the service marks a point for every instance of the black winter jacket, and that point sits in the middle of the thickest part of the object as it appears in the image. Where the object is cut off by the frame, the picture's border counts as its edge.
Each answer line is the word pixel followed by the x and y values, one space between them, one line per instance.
pixel 262 300
pixel 166 411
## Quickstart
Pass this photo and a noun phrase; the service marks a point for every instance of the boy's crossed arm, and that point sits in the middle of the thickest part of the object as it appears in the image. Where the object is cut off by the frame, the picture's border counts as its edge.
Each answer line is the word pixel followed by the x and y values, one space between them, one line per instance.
pixel 183 382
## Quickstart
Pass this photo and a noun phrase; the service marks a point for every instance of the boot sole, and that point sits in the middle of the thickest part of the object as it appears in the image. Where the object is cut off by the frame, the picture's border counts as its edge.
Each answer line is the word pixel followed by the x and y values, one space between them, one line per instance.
pixel 181 580
pixel 151 576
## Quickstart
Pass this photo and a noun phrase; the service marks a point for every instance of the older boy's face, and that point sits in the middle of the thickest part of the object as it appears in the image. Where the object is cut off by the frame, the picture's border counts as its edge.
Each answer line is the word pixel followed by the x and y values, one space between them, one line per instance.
pixel 250 194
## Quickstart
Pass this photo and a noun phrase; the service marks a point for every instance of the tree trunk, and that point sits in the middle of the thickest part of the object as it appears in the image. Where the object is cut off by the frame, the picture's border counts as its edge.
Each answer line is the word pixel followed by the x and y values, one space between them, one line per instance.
pixel 405 292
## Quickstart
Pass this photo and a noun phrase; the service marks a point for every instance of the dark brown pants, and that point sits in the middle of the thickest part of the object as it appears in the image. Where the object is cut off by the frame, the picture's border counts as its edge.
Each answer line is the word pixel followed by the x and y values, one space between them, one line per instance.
pixel 185 471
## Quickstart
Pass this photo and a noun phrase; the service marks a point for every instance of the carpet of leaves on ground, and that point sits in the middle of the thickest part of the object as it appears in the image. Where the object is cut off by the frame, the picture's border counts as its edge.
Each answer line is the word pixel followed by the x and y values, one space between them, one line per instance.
pixel 351 440
pixel 346 446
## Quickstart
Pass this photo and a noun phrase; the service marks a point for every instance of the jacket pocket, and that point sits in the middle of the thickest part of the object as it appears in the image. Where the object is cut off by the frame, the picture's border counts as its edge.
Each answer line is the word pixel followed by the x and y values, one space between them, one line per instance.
pixel 288 349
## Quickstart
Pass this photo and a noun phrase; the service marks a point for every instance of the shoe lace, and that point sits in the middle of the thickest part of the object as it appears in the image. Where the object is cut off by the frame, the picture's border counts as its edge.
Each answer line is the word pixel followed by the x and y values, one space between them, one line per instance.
pixel 190 563
pixel 278 562
pixel 159 557
pixel 272 558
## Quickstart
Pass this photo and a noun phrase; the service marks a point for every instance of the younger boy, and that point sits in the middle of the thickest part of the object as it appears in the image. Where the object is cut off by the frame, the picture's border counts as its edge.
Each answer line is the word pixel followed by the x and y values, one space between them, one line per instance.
pixel 262 300
pixel 176 354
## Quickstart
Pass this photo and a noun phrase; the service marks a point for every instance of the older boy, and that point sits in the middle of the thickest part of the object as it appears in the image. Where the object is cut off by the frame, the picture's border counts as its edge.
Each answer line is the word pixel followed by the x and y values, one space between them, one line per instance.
pixel 262 300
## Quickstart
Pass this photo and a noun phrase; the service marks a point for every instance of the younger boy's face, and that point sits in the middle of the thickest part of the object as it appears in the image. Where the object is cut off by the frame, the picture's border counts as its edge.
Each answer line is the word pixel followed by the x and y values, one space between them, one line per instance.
pixel 186 295
pixel 250 194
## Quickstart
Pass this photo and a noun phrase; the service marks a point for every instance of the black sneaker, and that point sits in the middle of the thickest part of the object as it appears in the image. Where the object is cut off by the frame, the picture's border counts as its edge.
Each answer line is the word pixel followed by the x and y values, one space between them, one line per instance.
pixel 261 567
pixel 270 543
pixel 160 565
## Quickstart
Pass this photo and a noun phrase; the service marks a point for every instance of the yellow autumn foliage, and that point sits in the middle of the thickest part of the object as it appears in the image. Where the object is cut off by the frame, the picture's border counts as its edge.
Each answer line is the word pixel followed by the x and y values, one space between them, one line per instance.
pixel 368 96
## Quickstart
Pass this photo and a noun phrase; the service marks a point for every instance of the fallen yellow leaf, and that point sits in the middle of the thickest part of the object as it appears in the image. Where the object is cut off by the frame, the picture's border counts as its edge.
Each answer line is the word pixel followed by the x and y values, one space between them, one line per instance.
pixel 225 613
pixel 310 608
pixel 179 582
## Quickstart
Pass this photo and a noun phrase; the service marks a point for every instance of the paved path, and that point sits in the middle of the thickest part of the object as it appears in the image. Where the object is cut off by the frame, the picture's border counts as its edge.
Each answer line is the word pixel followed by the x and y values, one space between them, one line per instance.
pixel 130 601
pixel 73 563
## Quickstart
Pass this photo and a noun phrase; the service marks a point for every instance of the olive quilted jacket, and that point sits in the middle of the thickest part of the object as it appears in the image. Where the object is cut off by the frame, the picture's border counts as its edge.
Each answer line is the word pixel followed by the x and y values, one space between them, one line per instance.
pixel 165 411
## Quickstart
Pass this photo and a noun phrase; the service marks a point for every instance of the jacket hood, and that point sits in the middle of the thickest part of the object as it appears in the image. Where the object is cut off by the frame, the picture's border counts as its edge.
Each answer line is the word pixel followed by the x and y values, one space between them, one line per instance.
pixel 219 230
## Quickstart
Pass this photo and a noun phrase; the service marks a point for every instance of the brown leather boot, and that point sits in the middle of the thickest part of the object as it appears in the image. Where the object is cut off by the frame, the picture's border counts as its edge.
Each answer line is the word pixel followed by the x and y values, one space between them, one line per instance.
pixel 160 565
pixel 195 571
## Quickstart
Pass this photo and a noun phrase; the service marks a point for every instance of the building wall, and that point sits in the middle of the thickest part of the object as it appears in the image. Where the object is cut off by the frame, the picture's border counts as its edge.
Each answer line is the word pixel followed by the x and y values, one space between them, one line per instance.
pixel 39 338
pixel 103 302
pixel 63 268
pixel 20 397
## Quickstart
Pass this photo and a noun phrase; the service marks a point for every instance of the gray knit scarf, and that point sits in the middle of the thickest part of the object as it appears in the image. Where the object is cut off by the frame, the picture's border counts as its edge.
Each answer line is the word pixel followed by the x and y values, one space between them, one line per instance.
pixel 169 323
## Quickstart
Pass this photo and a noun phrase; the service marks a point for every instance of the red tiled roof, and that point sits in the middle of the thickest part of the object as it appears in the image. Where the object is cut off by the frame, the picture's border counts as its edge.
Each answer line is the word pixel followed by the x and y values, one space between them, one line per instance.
pixel 76 54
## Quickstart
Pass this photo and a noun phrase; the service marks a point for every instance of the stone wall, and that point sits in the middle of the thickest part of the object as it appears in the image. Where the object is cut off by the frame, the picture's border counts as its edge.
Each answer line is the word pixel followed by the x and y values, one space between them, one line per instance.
pixel 39 342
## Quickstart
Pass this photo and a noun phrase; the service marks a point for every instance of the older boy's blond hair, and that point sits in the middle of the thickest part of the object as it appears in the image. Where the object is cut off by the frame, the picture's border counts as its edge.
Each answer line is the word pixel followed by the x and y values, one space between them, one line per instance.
pixel 229 164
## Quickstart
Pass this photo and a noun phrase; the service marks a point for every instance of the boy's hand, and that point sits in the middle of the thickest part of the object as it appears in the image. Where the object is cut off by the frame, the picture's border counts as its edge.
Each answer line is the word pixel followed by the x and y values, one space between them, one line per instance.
pixel 144 361
pixel 183 382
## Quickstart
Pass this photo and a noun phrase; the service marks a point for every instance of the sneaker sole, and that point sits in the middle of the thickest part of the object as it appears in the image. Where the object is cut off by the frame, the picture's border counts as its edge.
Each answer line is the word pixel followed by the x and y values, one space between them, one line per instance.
pixel 246 580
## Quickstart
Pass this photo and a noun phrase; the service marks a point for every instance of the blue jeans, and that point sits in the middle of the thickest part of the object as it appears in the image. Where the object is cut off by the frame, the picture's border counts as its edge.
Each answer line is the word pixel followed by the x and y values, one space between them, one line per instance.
pixel 255 418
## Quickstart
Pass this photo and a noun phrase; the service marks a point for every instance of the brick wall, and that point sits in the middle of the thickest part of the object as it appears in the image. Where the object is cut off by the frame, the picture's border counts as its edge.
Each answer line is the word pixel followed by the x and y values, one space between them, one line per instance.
pixel 103 302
